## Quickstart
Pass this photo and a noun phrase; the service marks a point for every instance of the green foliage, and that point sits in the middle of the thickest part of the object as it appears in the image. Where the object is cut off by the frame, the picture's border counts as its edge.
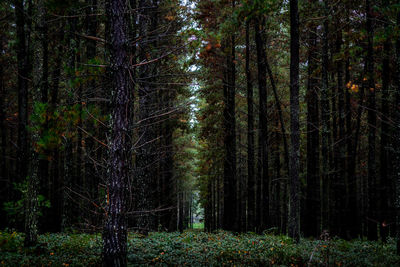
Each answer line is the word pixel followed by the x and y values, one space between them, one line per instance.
pixel 15 209
pixel 195 248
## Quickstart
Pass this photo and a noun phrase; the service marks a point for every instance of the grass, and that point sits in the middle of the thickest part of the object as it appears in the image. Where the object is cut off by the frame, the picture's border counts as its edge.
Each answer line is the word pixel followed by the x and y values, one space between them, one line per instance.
pixel 199 225
pixel 195 248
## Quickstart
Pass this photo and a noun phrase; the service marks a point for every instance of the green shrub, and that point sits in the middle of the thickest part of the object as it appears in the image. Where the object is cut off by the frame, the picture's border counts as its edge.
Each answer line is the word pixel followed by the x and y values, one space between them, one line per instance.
pixel 194 248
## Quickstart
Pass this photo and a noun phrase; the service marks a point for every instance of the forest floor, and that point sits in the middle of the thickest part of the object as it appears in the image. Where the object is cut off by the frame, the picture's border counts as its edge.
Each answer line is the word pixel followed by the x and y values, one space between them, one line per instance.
pixel 197 248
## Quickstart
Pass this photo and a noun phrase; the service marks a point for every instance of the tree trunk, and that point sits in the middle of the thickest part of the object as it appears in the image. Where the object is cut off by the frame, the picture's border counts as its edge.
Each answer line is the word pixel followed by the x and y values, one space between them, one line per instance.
pixel 397 139
pixel 325 125
pixel 23 77
pixel 251 185
pixel 262 117
pixel 66 213
pixel 115 227
pixel 313 197
pixel 5 183
pixel 370 193
pixel 40 84
pixel 340 184
pixel 294 220
pixel 230 220
pixel 384 184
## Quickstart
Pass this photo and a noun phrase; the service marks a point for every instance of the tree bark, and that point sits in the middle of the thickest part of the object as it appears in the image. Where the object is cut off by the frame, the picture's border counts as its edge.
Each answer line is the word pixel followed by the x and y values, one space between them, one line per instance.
pixel 230 220
pixel 119 164
pixel 370 193
pixel 397 140
pixel 340 183
pixel 384 184
pixel 294 220
pixel 251 185
pixel 259 28
pixel 325 135
pixel 23 77
pixel 313 198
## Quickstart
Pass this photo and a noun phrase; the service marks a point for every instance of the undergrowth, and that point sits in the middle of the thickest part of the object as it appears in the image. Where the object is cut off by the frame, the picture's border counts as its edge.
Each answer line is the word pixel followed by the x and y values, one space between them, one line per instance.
pixel 195 248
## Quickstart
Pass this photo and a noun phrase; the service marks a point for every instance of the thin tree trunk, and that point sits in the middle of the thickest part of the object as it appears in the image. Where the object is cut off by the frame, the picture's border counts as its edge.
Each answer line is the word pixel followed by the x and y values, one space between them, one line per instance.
pixel 294 220
pixel 251 185
pixel 230 220
pixel 340 183
pixel 384 183
pixel 66 214
pixel 262 87
pixel 313 199
pixel 23 77
pixel 371 199
pixel 325 125
pixel 5 183
pixel 397 140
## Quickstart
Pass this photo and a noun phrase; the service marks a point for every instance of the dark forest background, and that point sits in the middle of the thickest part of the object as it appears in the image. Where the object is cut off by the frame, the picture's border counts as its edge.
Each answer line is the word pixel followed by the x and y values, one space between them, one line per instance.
pixel 250 116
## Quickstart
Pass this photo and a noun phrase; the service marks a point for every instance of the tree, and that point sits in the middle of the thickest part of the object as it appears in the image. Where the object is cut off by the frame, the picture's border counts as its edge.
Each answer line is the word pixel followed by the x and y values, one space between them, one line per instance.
pixel 397 139
pixel 312 216
pixel 263 179
pixel 251 185
pixel 371 199
pixel 294 123
pixel 230 220
pixel 119 164
pixel 23 77
pixel 325 125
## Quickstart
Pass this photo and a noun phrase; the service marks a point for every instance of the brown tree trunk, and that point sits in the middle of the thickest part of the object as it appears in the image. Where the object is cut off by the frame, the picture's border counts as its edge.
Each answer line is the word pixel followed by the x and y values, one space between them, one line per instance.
pixel 370 197
pixel 313 215
pixel 263 183
pixel 251 185
pixel 115 227
pixel 294 220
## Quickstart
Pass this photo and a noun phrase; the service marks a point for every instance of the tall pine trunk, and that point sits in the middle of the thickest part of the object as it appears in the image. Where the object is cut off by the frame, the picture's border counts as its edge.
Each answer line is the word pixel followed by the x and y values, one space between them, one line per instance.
pixel 262 117
pixel 370 193
pixel 23 77
pixel 325 126
pixel 397 139
pixel 119 162
pixel 313 199
pixel 384 183
pixel 294 220
pixel 251 185
pixel 230 220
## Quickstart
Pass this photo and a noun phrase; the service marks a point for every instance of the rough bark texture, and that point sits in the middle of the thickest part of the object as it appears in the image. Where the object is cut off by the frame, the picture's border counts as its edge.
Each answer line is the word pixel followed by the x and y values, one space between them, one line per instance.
pixel 325 135
pixel 384 184
pixel 313 214
pixel 23 76
pixel 259 28
pixel 397 140
pixel 230 220
pixel 38 168
pixel 370 193
pixel 3 161
pixel 251 185
pixel 294 220
pixel 66 206
pixel 115 227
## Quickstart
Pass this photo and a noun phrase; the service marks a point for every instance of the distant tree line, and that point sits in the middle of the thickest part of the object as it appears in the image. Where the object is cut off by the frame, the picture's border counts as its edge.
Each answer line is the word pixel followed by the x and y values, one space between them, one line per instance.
pixel 299 117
